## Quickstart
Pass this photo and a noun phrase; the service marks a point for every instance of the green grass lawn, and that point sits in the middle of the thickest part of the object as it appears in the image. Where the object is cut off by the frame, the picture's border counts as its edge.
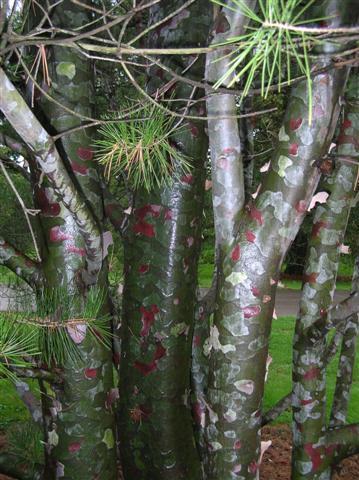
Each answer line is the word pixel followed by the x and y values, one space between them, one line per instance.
pixel 278 385
pixel 279 378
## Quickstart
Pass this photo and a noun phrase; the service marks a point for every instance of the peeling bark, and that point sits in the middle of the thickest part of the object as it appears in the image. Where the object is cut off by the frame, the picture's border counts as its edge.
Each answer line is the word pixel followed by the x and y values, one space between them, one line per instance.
pixel 346 361
pixel 238 344
pixel 311 452
pixel 161 254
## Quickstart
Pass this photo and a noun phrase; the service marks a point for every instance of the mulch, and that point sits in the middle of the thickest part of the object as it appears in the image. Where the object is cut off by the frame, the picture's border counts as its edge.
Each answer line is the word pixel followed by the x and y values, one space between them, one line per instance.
pixel 276 464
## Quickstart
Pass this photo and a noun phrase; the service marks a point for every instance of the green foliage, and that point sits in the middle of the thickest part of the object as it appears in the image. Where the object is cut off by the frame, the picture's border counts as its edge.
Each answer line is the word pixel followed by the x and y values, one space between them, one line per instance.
pixel 16 342
pixel 16 232
pixel 53 332
pixel 141 149
pixel 268 47
pixel 25 442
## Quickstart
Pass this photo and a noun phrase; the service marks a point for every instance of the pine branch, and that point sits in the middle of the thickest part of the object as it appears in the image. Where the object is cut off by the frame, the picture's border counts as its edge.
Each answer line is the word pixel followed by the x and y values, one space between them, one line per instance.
pixel 24 267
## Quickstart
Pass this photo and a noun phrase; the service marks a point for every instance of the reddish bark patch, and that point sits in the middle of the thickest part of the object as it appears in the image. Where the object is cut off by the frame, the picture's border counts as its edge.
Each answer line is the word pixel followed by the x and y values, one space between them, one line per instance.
pixel 148 318
pixel 317 227
pixel 237 445
pixel 144 228
pixel 236 253
pixel 160 352
pixel 143 268
pixel 293 149
pixel 312 373
pixel 187 179
pixel 80 169
pixel 85 153
pixel 90 373
pixel 346 124
pixel 255 291
pixel 251 311
pixel 250 236
pixel 145 368
pixel 168 214
pixel 301 206
pixel 255 214
pixel 221 24
pixel 199 413
pixel 314 454
pixel 295 123
pixel 153 210
pixel 76 250
pixel 56 235
pixel 74 447
pixel 311 277
pixel 276 464
pixel 193 129
pixel 196 340
pixel 229 151
pixel 47 209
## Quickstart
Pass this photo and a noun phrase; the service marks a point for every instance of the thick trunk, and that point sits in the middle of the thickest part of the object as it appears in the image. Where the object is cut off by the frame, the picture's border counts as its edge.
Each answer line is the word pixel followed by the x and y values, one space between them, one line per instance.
pixel 161 254
pixel 79 418
pixel 239 338
pixel 311 453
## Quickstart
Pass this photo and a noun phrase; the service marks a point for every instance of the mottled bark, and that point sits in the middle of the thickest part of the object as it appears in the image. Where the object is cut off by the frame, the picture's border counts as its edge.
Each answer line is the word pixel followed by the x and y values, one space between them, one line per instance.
pixel 228 191
pixel 161 253
pixel 49 161
pixel 79 412
pixel 350 334
pixel 26 268
pixel 311 452
pixel 238 344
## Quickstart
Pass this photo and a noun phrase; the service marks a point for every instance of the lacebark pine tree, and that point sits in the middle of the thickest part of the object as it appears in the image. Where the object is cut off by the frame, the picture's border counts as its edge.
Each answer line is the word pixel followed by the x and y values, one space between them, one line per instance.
pixel 316 449
pixel 161 253
pixel 238 342
pixel 79 418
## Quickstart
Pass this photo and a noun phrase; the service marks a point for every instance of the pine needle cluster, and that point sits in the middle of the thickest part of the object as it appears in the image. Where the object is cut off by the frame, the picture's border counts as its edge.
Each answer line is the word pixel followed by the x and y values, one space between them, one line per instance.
pixel 141 149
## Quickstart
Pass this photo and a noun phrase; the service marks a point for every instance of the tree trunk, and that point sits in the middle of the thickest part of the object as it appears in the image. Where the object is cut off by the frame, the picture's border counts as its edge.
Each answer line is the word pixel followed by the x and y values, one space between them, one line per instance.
pixel 161 254
pixel 239 338
pixel 80 421
pixel 312 454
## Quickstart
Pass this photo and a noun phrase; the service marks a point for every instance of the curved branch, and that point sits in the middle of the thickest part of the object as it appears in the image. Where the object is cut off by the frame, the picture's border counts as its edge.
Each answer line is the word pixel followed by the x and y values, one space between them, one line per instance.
pixel 20 264
pixel 48 159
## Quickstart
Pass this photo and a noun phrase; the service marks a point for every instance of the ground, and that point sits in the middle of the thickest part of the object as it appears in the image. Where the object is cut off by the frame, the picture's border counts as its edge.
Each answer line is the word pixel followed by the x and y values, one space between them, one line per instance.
pixel 276 461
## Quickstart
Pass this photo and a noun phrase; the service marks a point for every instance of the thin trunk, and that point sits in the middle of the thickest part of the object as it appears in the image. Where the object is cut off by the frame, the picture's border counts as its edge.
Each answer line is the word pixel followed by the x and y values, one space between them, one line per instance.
pixel 238 343
pixel 346 362
pixel 161 254
pixel 311 452
pixel 228 193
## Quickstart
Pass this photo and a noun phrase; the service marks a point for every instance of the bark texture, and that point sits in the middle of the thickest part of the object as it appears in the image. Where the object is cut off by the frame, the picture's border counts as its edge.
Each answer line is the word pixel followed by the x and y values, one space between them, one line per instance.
pixel 78 413
pixel 312 454
pixel 238 343
pixel 161 254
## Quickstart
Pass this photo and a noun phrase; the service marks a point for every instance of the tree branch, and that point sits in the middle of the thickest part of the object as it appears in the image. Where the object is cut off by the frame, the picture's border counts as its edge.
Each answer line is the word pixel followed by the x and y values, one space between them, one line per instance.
pixel 47 157
pixel 20 264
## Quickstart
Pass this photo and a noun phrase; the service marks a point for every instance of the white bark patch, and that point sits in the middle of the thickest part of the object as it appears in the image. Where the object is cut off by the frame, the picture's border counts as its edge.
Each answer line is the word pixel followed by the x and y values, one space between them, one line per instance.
pixel 245 386
pixel 213 342
pixel 230 415
pixel 77 332
pixel 283 136
pixel 320 197
pixel 264 448
pixel 236 278
pixel 283 164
